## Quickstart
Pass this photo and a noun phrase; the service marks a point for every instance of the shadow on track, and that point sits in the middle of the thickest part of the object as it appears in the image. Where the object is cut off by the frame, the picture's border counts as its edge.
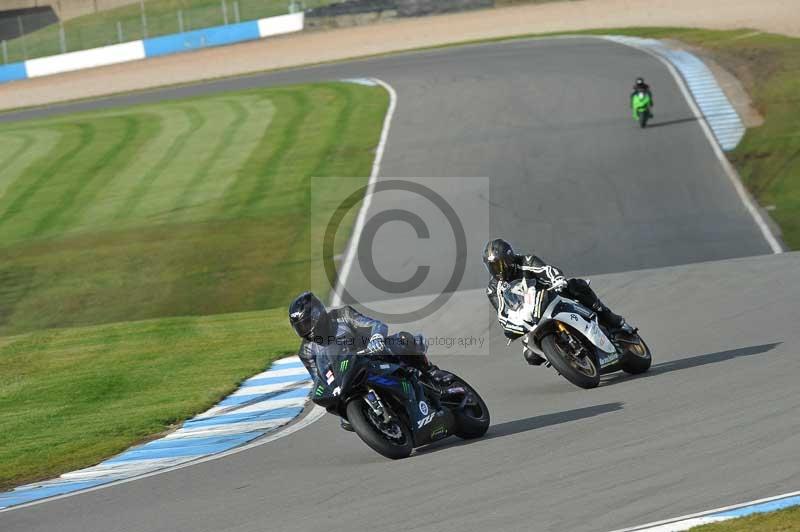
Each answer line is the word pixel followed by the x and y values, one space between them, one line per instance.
pixel 509 428
pixel 670 122
pixel 696 361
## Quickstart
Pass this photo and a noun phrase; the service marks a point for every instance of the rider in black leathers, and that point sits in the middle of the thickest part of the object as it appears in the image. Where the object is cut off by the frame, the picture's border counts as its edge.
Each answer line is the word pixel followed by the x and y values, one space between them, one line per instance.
pixel 319 327
pixel 505 266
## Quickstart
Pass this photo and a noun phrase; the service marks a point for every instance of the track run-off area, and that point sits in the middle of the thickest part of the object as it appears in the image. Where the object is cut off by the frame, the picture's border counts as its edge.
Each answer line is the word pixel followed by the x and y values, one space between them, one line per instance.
pixel 558 168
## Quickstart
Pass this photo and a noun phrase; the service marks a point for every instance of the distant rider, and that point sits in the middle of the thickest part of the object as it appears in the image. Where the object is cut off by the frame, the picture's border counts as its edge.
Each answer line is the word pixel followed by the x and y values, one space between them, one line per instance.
pixel 319 327
pixel 506 266
pixel 640 86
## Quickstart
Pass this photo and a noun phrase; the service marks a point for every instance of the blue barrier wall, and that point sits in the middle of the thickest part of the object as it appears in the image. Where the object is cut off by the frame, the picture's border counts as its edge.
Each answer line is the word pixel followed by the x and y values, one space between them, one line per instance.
pixel 13 71
pixel 193 40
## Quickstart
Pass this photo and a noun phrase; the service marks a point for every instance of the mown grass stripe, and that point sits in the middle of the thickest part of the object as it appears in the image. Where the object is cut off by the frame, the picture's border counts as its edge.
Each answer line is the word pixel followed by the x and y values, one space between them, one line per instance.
pixel 240 115
pixel 267 173
pixel 27 142
pixel 235 162
pixel 103 164
pixel 102 189
pixel 196 121
pixel 86 133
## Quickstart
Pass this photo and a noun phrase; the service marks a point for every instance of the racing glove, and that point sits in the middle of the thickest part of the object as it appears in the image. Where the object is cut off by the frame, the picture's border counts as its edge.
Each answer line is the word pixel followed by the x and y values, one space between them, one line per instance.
pixel 376 344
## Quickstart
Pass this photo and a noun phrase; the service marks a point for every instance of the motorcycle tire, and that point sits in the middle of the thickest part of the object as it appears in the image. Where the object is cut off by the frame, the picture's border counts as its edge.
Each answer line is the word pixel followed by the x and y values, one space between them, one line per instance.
pixel 372 436
pixel 566 370
pixel 643 119
pixel 473 420
pixel 636 359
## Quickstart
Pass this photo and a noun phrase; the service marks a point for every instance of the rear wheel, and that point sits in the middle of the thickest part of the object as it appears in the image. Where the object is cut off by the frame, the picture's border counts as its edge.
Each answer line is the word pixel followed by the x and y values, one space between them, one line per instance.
pixel 392 440
pixel 636 357
pixel 472 421
pixel 579 369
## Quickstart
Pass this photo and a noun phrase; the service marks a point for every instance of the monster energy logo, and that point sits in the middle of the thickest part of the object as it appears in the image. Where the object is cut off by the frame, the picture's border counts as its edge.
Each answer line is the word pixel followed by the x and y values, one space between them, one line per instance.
pixel 320 391
pixel 406 387
pixel 343 365
pixel 438 431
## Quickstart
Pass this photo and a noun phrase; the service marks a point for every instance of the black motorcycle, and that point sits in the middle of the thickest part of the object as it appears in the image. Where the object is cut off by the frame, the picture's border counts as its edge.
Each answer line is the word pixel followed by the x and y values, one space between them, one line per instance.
pixel 392 407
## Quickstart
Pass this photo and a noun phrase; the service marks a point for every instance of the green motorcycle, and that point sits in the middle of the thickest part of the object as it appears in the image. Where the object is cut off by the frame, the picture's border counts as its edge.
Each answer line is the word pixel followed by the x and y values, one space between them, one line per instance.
pixel 641 103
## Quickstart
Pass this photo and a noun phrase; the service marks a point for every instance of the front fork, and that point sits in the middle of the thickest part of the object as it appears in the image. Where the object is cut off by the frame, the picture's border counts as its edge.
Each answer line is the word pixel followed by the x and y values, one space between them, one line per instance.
pixel 574 344
pixel 375 403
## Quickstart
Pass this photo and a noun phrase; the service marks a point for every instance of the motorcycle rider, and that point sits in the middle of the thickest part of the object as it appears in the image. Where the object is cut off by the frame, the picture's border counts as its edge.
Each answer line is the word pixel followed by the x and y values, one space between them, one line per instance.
pixel 640 86
pixel 318 327
pixel 505 266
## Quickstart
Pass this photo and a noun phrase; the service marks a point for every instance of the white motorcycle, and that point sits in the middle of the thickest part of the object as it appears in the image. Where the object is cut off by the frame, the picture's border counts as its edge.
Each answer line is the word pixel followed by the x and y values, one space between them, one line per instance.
pixel 568 335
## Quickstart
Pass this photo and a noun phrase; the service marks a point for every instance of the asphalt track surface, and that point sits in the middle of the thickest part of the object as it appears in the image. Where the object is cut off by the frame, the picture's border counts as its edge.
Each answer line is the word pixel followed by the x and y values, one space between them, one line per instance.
pixel 569 175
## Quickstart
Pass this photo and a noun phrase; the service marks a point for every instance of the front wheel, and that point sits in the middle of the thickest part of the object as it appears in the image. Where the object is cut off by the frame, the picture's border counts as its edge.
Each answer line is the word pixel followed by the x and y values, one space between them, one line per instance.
pixel 472 421
pixel 636 357
pixel 392 440
pixel 578 368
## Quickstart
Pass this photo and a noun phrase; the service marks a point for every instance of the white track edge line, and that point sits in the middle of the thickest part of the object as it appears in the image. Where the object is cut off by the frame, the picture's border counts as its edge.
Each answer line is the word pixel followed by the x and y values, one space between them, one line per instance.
pixel 336 298
pixel 744 196
pixel 708 512
pixel 316 412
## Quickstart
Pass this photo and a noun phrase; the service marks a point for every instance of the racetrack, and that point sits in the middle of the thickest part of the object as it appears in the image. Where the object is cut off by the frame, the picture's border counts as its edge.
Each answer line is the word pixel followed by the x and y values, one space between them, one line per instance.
pixel 570 176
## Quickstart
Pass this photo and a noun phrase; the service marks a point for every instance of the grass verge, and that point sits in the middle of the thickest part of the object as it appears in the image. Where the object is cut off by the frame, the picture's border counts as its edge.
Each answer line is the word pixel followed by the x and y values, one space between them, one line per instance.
pixel 71 397
pixel 787 520
pixel 193 215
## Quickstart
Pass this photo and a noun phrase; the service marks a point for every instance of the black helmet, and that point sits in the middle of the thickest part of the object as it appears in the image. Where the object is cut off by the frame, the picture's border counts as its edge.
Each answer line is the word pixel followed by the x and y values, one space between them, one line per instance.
pixel 639 82
pixel 309 317
pixel 499 259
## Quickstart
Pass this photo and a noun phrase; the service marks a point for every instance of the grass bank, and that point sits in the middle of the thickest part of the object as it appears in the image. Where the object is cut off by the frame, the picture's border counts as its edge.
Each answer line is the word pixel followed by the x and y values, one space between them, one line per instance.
pixel 192 215
pixel 787 520
pixel 71 397
pixel 187 207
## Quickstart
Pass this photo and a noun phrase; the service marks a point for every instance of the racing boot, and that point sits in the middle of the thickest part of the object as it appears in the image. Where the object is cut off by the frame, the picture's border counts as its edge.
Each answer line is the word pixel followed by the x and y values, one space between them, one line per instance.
pixel 613 322
pixel 437 376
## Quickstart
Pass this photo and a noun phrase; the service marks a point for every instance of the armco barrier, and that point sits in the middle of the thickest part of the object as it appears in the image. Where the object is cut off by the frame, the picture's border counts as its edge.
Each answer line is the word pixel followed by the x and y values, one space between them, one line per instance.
pixel 193 40
pixel 157 46
pixel 12 72
pixel 281 24
pixel 94 57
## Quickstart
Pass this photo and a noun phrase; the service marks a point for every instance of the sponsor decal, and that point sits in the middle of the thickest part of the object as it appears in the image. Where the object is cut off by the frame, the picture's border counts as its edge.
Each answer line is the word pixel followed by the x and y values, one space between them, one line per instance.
pixel 383 380
pixel 423 408
pixel 385 366
pixel 406 386
pixel 337 391
pixel 438 432
pixel 608 359
pixel 295 315
pixel 343 365
pixel 330 377
pixel 320 390
pixel 574 317
pixel 424 421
